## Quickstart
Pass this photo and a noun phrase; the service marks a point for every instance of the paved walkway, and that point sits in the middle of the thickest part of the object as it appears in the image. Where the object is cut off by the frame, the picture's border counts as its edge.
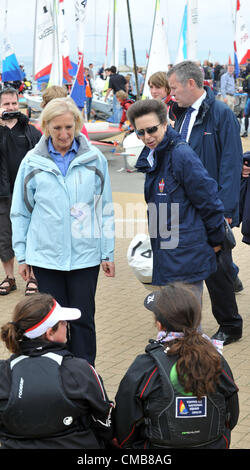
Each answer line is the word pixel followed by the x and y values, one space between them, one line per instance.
pixel 124 325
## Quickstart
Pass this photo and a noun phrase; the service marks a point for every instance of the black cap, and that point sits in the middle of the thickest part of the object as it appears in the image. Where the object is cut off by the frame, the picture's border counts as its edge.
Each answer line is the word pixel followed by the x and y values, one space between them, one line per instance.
pixel 151 300
pixel 151 303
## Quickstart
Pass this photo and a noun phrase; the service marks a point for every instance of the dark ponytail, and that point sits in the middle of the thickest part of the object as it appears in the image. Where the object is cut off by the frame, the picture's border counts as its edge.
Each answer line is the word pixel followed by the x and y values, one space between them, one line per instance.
pixel 27 313
pixel 198 365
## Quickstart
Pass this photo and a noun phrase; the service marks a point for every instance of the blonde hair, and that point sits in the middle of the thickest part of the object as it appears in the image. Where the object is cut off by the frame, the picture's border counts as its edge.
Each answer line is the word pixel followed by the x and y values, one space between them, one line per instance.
pixel 122 95
pixel 52 92
pixel 57 107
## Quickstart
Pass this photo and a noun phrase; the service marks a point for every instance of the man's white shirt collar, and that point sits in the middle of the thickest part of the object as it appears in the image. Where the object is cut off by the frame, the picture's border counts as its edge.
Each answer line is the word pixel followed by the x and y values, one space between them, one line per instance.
pixel 196 105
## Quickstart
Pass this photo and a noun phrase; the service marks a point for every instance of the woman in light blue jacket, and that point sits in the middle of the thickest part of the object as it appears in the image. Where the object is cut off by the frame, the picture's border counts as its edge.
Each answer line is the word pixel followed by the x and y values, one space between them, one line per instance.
pixel 62 218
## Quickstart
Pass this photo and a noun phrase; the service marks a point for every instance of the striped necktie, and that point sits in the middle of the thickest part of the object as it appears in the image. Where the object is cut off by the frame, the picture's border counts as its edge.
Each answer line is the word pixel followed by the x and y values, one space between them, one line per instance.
pixel 184 129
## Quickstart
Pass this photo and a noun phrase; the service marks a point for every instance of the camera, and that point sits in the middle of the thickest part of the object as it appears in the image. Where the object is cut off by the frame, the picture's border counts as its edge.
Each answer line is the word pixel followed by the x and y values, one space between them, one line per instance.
pixel 6 115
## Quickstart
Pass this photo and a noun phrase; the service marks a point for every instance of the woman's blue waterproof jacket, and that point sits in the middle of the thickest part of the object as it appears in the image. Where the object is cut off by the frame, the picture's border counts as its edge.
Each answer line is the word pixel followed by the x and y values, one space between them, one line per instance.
pixel 184 211
pixel 58 222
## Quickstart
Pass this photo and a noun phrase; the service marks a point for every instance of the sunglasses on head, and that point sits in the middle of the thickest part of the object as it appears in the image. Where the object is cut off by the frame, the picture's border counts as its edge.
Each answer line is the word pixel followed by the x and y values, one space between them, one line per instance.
pixel 149 130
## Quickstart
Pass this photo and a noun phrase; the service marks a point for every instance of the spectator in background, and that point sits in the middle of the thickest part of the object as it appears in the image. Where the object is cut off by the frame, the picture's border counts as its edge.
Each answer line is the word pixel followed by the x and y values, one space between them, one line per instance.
pixel 218 71
pixel 106 78
pixel 91 72
pixel 117 82
pixel 17 137
pixel 227 86
pixel 133 89
pixel 125 103
pixel 101 72
pixel 88 91
pixel 246 89
pixel 207 70
pixel 160 90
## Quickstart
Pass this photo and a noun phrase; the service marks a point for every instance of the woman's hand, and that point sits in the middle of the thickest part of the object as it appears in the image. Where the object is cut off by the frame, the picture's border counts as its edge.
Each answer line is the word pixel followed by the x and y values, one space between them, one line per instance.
pixel 24 270
pixel 108 268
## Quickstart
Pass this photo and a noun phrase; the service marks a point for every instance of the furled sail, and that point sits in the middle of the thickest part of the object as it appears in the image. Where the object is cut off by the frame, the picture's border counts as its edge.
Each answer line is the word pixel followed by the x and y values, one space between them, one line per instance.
pixel 188 42
pixel 10 67
pixel 242 39
pixel 43 40
pixel 159 55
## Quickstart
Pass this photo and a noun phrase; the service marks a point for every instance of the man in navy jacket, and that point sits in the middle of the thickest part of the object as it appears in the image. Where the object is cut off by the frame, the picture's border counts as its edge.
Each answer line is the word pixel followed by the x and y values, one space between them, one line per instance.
pixel 213 132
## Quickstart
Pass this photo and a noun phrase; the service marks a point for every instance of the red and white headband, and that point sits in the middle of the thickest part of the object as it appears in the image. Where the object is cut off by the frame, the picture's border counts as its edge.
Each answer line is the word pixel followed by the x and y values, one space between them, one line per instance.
pixel 56 314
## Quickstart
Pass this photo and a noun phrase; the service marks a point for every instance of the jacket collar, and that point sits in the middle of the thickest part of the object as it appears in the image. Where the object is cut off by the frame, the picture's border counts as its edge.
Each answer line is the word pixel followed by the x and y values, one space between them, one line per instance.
pixel 39 155
pixel 39 347
pixel 170 137
pixel 205 105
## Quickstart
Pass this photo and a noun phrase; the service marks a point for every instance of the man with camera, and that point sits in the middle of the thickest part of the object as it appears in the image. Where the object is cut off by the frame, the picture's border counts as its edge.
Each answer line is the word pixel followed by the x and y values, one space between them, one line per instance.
pixel 17 136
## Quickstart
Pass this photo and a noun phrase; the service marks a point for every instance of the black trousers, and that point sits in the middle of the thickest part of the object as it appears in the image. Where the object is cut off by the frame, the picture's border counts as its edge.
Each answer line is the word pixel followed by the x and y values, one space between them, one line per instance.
pixel 222 295
pixel 74 289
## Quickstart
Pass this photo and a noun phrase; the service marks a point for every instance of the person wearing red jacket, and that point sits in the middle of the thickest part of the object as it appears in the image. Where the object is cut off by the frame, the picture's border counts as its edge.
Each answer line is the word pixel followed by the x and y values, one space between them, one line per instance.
pixel 125 103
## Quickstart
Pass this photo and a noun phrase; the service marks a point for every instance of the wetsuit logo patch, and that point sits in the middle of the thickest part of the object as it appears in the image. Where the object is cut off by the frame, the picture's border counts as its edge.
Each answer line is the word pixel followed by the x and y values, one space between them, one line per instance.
pixel 191 407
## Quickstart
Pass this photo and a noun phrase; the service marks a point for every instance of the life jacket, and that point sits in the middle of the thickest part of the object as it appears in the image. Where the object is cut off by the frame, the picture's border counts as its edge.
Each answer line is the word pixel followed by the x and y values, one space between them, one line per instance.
pixel 127 102
pixel 38 406
pixel 180 419
pixel 88 89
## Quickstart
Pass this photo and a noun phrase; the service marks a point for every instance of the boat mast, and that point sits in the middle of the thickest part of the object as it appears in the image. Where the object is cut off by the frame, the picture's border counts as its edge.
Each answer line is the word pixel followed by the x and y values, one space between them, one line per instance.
pixel 34 42
pixel 115 36
pixel 107 40
pixel 151 41
pixel 133 52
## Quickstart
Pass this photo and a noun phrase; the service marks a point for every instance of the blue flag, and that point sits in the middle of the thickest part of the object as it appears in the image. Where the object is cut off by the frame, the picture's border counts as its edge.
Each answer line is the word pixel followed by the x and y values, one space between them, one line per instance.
pixel 78 92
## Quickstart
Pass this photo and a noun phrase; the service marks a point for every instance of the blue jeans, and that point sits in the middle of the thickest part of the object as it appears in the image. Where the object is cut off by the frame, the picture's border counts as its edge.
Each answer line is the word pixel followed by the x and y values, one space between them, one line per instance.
pixel 247 108
pixel 117 111
pixel 88 104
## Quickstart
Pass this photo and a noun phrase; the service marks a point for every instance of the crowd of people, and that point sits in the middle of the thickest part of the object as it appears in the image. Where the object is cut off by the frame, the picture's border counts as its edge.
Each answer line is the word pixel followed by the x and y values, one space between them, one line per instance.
pixel 222 79
pixel 180 393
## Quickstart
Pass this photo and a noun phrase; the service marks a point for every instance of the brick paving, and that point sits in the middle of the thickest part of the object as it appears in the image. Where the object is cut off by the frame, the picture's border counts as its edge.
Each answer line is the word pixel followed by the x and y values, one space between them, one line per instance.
pixel 124 325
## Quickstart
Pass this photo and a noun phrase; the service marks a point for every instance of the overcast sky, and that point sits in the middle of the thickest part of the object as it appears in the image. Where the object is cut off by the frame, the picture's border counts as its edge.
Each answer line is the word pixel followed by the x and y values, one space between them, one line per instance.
pixel 215 32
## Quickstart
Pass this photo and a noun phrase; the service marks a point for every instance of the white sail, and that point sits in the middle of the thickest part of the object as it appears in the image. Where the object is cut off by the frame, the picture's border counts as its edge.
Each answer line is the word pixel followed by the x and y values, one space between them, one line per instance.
pixel 192 28
pixel 43 39
pixel 80 16
pixel 242 38
pixel 182 43
pixel 158 55
pixel 56 74
pixel 188 39
pixel 65 49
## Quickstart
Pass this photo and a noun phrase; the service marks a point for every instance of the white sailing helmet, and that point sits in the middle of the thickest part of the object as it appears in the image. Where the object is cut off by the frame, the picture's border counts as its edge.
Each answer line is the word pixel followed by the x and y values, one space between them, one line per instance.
pixel 140 258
